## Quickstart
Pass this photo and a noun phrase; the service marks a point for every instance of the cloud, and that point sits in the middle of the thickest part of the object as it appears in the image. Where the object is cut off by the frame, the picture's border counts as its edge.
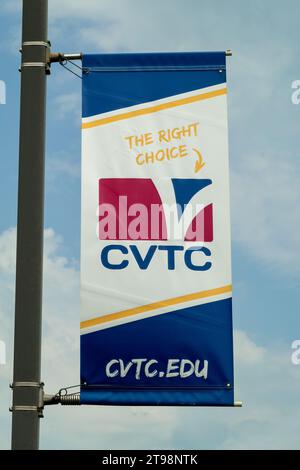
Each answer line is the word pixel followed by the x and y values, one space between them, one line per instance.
pixel 266 381
pixel 60 304
pixel 64 164
pixel 246 351
pixel 266 217
pixel 68 104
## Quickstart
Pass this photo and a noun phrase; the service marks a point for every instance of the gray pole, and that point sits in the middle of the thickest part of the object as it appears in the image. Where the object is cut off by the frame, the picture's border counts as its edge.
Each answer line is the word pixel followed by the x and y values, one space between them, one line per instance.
pixel 28 307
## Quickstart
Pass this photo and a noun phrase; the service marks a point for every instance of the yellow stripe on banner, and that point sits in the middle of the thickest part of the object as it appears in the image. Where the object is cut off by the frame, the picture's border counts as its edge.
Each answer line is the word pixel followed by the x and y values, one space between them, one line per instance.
pixel 154 109
pixel 155 305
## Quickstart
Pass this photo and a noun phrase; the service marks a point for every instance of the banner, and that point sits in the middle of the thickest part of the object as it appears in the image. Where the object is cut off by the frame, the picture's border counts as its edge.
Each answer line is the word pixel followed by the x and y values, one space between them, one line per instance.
pixel 156 312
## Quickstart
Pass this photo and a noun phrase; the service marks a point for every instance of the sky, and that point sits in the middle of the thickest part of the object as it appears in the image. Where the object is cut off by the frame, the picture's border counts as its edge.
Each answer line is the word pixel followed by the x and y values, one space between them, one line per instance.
pixel 264 175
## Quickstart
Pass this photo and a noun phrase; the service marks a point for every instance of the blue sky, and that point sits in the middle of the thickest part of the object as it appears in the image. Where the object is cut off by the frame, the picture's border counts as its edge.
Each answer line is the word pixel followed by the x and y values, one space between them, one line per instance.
pixel 265 167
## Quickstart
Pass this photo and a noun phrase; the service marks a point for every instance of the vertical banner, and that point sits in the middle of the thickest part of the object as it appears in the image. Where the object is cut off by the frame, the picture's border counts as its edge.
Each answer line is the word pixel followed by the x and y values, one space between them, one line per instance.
pixel 156 312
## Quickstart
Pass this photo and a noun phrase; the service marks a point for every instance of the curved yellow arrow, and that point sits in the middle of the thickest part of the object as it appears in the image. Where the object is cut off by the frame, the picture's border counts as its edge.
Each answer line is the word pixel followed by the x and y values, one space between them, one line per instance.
pixel 199 163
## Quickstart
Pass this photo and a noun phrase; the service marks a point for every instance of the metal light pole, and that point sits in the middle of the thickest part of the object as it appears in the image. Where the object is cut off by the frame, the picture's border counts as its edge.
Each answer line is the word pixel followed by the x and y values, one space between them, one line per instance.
pixel 27 389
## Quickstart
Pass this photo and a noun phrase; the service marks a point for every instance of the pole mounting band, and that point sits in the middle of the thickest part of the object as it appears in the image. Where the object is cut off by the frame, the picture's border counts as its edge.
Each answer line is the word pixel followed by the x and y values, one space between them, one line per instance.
pixel 27 384
pixel 35 43
pixel 34 64
pixel 37 408
pixel 46 53
pixel 25 408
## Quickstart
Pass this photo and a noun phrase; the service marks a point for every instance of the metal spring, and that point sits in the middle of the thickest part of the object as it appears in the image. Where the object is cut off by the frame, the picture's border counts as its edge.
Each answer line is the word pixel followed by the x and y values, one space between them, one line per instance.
pixel 70 400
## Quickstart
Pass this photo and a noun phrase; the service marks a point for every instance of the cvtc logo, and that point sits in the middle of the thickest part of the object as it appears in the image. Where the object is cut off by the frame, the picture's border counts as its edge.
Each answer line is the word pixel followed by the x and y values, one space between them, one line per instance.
pixel 166 210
